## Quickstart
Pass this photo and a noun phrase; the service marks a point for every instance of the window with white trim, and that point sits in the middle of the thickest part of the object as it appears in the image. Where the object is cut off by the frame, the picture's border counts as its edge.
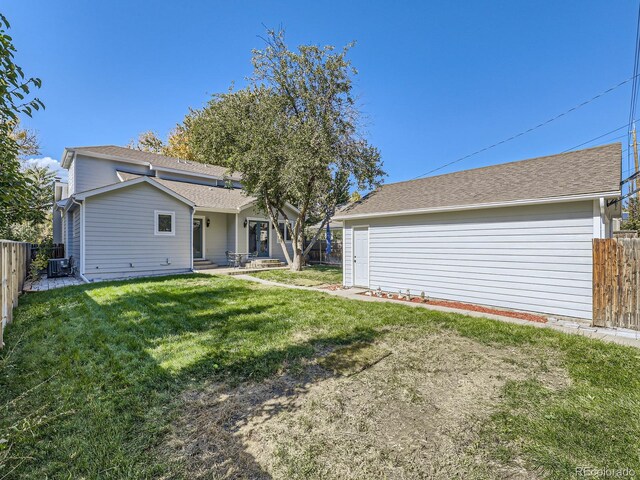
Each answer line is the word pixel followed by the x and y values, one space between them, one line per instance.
pixel 165 222
pixel 284 231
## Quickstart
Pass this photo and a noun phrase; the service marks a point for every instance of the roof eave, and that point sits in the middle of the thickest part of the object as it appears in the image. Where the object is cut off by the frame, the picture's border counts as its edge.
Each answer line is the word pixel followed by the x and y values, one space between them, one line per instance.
pixel 478 206
pixel 67 156
pixel 217 209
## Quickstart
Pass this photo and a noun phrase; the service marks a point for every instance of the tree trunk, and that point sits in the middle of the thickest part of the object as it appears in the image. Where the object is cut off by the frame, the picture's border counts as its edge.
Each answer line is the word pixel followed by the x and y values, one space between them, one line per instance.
pixel 296 263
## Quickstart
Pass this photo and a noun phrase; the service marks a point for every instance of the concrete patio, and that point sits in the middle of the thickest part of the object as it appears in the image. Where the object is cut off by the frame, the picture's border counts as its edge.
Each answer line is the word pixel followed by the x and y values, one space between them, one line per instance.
pixel 44 283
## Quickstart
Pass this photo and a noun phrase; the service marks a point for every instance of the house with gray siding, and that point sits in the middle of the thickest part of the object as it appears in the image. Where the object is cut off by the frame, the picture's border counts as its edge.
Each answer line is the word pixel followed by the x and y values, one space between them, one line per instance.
pixel 516 235
pixel 127 213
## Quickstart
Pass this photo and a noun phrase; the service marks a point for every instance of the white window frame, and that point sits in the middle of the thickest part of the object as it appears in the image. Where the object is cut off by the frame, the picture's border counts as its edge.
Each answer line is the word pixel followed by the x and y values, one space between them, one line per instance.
pixel 286 231
pixel 156 214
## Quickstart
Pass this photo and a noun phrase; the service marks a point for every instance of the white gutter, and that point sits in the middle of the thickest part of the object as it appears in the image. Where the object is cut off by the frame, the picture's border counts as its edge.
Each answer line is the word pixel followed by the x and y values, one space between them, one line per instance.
pixel 537 201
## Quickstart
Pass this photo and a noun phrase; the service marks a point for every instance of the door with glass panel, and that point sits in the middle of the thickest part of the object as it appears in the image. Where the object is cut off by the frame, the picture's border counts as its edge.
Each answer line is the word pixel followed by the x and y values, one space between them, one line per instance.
pixel 259 238
pixel 198 238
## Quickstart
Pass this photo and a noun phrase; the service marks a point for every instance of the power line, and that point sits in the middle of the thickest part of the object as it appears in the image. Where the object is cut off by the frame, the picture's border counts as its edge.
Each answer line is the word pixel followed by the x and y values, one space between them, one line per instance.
pixel 634 77
pixel 598 138
pixel 634 94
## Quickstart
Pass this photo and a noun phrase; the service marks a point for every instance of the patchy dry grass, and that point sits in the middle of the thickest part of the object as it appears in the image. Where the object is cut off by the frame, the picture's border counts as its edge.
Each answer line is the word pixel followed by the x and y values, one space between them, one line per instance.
pixel 414 407
pixel 214 377
pixel 353 358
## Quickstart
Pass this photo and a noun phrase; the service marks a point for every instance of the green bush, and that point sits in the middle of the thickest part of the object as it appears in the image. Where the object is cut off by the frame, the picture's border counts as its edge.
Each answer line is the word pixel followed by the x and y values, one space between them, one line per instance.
pixel 42 259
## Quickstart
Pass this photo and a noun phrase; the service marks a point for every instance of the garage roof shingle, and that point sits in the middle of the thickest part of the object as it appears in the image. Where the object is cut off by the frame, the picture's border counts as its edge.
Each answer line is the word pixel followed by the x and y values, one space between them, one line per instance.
pixel 588 171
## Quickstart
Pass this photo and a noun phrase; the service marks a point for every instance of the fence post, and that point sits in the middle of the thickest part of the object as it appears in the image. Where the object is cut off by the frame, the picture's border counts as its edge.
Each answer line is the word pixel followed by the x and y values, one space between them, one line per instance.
pixel 3 320
pixel 6 283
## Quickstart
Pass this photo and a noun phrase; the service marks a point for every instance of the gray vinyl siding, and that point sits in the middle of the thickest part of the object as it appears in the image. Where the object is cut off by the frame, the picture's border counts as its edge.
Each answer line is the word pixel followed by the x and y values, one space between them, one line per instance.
pixel 185 177
pixel 93 173
pixel 216 237
pixel 231 232
pixel 535 258
pixel 69 239
pixel 119 231
pixel 75 251
pixel 56 220
pixel 63 226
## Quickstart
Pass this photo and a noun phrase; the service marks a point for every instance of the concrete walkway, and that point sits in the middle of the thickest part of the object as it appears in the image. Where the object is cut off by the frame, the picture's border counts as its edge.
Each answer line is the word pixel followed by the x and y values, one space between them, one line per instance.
pixel 235 271
pixel 621 336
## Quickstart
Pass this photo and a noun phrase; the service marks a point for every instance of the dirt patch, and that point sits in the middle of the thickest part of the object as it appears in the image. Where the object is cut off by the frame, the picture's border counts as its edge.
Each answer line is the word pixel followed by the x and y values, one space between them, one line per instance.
pixel 414 413
pixel 463 306
pixel 353 358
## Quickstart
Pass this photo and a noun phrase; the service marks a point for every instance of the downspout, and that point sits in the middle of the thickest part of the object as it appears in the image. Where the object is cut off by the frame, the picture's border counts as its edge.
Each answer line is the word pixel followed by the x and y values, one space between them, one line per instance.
pixel 603 217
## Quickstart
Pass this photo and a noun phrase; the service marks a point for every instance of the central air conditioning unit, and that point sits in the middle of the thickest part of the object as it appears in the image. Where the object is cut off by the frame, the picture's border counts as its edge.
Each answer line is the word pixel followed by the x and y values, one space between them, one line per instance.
pixel 60 267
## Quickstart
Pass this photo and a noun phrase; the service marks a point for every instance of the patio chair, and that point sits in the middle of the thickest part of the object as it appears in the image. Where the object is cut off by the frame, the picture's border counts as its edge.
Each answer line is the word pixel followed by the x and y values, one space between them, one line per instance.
pixel 231 259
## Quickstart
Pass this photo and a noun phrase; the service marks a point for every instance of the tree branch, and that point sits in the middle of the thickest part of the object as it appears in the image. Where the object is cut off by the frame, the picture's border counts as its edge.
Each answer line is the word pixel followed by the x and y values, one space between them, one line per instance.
pixel 315 237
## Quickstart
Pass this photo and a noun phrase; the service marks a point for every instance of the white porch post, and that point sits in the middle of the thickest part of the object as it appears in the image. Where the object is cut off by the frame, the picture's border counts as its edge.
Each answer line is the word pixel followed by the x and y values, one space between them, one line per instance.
pixel 193 211
pixel 237 234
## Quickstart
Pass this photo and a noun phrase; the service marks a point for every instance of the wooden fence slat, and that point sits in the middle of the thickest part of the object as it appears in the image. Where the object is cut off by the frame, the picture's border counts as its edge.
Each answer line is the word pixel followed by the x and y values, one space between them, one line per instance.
pixel 5 279
pixel 616 282
pixel 14 258
pixel 2 317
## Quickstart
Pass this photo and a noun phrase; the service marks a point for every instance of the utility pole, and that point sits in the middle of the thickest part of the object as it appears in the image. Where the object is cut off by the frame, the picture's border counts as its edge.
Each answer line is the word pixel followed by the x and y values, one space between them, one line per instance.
pixel 635 158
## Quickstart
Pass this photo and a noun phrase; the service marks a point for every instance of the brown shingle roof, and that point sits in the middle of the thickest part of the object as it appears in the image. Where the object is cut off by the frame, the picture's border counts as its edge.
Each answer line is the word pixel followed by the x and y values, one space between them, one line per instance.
pixel 208 197
pixel 155 159
pixel 589 171
pixel 204 196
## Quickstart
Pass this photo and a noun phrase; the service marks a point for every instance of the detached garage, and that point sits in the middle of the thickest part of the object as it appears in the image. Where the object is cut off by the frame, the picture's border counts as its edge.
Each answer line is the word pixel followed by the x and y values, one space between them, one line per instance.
pixel 517 235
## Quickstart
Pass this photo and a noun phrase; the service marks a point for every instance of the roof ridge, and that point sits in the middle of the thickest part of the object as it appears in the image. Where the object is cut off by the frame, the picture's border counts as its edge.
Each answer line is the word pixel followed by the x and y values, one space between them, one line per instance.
pixel 157 160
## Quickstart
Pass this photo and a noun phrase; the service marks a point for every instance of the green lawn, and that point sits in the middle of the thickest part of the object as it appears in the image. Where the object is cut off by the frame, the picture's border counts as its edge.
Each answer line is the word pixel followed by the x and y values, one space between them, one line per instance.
pixel 214 377
pixel 311 276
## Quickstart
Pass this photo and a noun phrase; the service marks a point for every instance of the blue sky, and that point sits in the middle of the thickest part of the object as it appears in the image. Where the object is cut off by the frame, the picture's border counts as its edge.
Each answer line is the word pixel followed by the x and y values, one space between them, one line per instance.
pixel 437 80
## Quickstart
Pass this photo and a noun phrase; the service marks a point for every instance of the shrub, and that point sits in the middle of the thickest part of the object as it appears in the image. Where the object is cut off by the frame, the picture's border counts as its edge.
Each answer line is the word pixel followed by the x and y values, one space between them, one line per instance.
pixel 42 259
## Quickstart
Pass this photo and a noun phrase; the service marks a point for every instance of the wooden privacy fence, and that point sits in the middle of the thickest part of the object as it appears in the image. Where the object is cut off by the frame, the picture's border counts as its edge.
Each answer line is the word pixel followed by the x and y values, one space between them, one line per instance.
pixel 616 283
pixel 54 251
pixel 14 267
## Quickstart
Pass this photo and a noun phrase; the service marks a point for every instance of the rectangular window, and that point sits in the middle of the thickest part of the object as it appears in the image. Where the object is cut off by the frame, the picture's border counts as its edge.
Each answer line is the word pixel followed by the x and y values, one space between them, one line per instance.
pixel 165 223
pixel 284 231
